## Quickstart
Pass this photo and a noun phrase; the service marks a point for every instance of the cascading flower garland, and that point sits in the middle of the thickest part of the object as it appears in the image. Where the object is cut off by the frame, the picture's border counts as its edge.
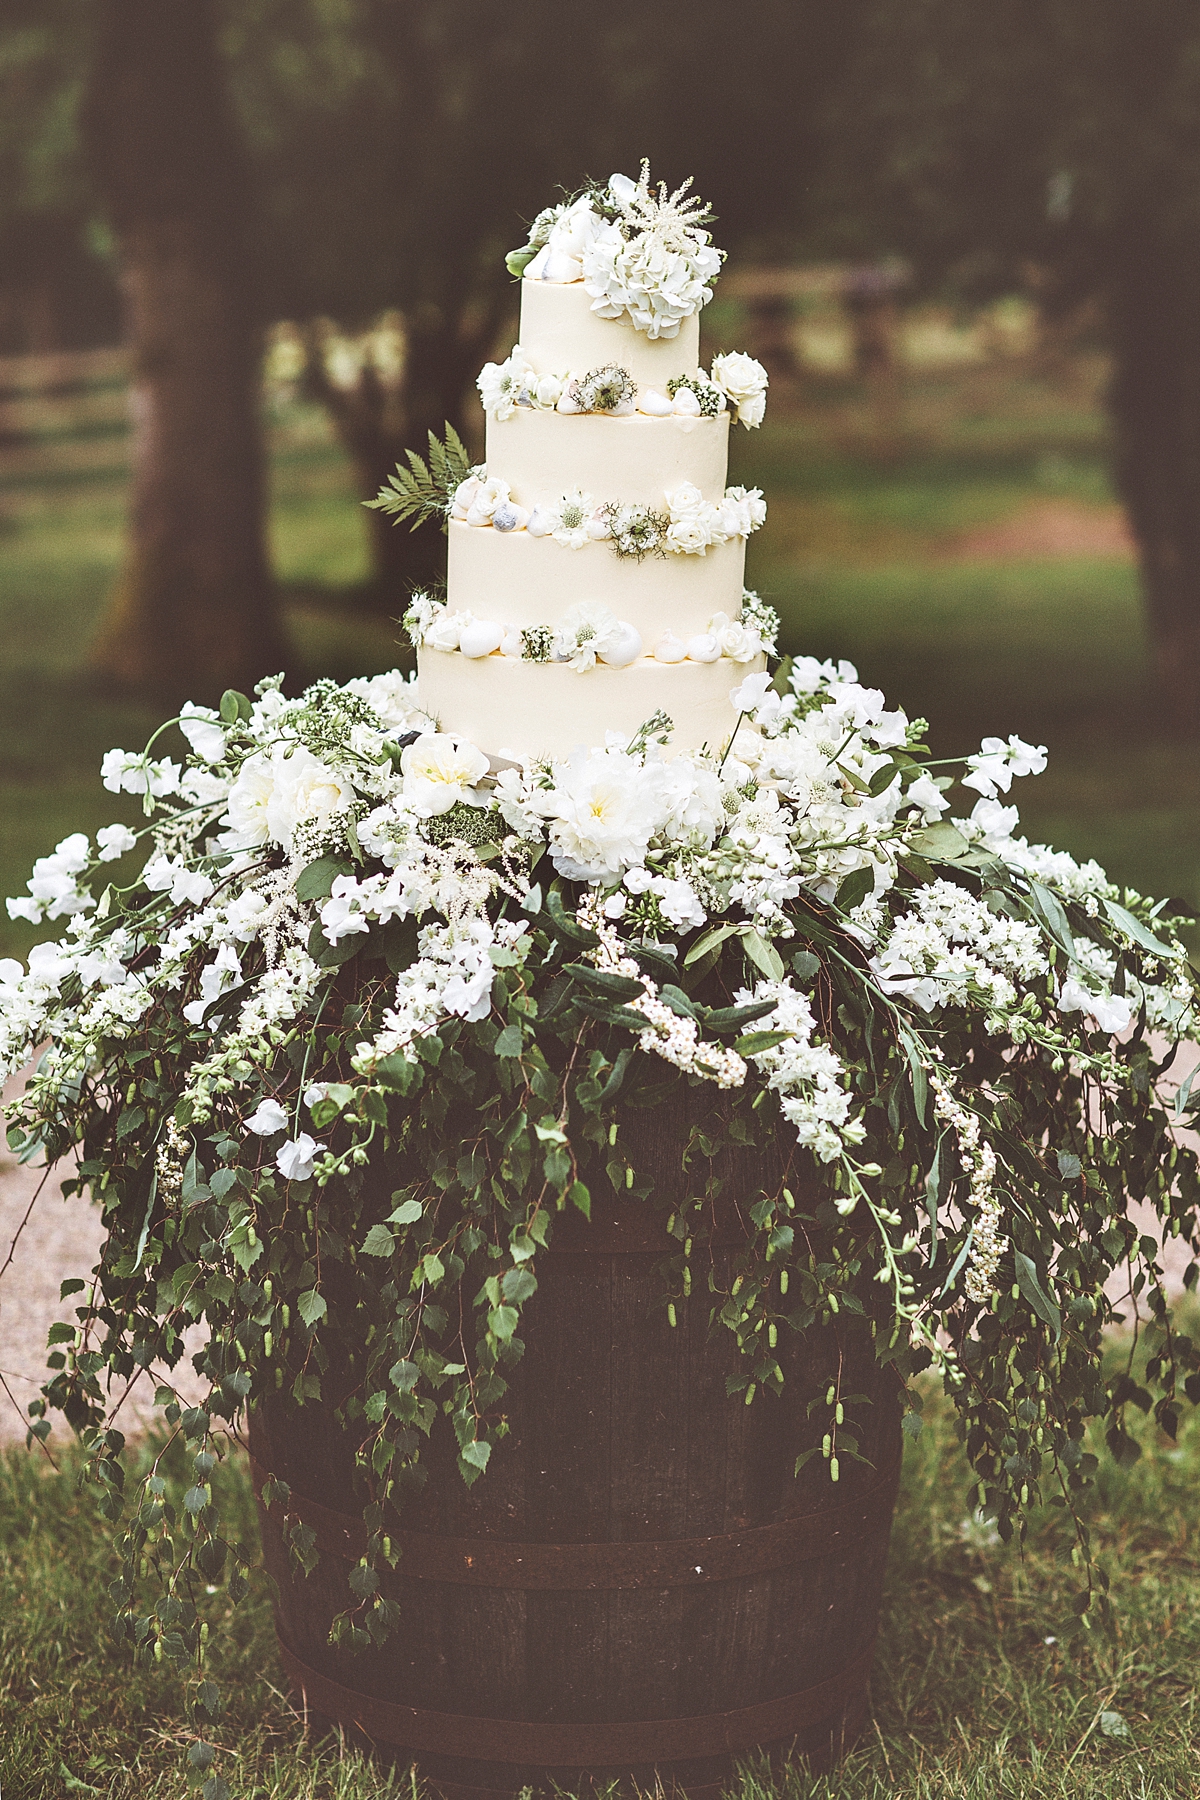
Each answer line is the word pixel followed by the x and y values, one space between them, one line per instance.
pixel 355 948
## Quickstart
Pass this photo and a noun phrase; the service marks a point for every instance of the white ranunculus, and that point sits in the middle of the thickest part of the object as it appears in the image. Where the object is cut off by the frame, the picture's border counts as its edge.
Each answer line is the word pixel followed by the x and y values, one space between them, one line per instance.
pixel 267 1118
pixel 546 391
pixel 114 841
pixel 439 771
pixel 296 1158
pixel 743 381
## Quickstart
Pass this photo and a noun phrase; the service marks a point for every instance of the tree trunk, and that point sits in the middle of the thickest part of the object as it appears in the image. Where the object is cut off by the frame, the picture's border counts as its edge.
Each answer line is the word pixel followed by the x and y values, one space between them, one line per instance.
pixel 441 361
pixel 1155 404
pixel 194 608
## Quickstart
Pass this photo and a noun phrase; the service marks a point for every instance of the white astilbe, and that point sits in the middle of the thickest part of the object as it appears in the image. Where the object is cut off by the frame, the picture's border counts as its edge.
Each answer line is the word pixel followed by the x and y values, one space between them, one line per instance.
pixel 989 1240
pixel 810 1079
pixel 677 1040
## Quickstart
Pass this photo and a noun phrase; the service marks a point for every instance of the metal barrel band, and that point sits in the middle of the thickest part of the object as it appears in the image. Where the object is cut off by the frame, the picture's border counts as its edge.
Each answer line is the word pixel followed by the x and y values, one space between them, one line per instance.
pixel 579 1567
pixel 537 1744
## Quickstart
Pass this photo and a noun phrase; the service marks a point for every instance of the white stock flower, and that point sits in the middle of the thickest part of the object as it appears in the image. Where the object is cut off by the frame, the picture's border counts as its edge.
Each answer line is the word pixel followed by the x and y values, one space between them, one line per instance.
pixel 296 1158
pixel 743 381
pixel 267 1118
pixel 201 727
pixel 440 770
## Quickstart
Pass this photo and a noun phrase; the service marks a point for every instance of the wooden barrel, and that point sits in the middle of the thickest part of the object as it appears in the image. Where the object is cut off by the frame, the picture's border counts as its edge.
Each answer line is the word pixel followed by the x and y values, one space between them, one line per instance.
pixel 638 1587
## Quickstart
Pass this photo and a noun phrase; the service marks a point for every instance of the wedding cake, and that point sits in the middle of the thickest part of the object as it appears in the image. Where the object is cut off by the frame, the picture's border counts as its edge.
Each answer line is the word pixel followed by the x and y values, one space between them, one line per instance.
pixel 596 559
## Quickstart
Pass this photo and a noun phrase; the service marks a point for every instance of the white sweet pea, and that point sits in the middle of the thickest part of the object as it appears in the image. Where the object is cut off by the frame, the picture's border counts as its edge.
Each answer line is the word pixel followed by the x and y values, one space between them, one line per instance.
pixel 296 1158
pixel 267 1118
pixel 749 696
pixel 201 727
pixel 924 794
pixel 743 381
pixel 439 771
pixel 1112 1012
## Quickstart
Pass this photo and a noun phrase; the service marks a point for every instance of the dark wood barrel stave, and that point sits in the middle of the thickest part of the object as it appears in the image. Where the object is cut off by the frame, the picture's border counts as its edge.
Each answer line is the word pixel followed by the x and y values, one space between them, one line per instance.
pixel 524 1640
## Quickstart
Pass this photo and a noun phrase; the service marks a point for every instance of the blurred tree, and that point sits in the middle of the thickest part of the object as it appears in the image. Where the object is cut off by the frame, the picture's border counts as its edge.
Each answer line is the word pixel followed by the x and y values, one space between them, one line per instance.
pixel 1063 133
pixel 194 609
pixel 398 146
pixel 56 290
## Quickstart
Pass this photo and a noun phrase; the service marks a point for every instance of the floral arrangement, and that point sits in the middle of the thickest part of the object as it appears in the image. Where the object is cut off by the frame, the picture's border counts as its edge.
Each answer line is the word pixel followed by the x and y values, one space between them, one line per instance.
pixel 590 632
pixel 639 253
pixel 350 934
pixel 736 381
pixel 688 525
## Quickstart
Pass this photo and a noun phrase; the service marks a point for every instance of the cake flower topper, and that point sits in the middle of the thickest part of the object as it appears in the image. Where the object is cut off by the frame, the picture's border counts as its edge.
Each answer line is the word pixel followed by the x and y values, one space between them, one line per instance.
pixel 639 252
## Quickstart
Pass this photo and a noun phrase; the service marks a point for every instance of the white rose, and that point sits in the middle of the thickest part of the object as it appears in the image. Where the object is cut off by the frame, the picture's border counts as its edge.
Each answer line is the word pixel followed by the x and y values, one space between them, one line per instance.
pixel 685 500
pixel 743 381
pixel 688 536
pixel 440 770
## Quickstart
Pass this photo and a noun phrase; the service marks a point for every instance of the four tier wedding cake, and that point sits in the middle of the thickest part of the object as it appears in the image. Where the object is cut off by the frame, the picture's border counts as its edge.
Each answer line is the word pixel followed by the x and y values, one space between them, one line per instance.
pixel 596 558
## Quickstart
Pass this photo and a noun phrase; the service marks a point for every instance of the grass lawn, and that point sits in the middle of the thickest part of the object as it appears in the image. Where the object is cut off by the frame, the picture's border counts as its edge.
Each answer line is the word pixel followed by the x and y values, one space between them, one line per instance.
pixel 973 1696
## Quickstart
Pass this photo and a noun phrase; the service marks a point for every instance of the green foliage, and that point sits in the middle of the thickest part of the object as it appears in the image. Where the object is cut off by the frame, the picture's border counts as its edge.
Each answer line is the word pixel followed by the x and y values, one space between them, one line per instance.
pixel 424 491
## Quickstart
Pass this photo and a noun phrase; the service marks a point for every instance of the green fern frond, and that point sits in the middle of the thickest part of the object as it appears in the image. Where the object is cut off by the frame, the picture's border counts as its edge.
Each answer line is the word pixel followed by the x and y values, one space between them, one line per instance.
pixel 425 490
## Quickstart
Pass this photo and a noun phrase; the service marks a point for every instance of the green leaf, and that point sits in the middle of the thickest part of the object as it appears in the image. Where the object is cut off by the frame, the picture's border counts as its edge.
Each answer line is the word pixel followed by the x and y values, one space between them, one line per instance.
pixel 675 998
pixel 397 1072
pixel 610 1015
pixel 1112 1725
pixel 942 840
pixel 311 1307
pixel 1047 909
pixel 1039 1300
pixel 476 1453
pixel 602 981
pixel 196 1499
pixel 379 1241
pixel 407 1213
pixel 756 1042
pixel 854 889
pixel 709 941
pixel 404 1375
pixel 806 964
pixel 502 1322
pixel 1133 928
pixel 763 955
pixel 316 881
pixel 933 1195
pixel 510 1042
pixel 580 1198
pixel 1069 1166
pixel 234 706
pixel 731 1018
pixel 517 1285
pixel 565 925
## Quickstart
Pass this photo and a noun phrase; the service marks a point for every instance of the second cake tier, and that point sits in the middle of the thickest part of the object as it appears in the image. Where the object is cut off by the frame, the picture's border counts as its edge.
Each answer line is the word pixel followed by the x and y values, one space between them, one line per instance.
pixel 522 580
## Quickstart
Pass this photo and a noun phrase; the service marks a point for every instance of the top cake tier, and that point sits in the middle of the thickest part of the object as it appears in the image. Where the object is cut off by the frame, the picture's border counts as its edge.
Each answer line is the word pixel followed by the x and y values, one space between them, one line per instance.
pixel 560 332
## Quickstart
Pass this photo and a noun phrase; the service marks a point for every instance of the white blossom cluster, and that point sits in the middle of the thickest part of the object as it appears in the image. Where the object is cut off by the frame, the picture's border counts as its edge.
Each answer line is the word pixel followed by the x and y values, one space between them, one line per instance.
pixel 588 633
pixel 692 523
pixel 736 381
pixel 813 790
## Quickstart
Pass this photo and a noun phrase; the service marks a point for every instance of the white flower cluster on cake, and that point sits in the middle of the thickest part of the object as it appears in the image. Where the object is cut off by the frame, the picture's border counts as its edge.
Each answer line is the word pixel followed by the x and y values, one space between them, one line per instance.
pixel 736 381
pixel 587 634
pixel 640 253
pixel 687 525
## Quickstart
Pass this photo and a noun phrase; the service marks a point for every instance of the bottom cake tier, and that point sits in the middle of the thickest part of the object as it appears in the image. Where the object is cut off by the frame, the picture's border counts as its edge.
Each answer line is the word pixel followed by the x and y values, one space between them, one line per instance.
pixel 516 710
